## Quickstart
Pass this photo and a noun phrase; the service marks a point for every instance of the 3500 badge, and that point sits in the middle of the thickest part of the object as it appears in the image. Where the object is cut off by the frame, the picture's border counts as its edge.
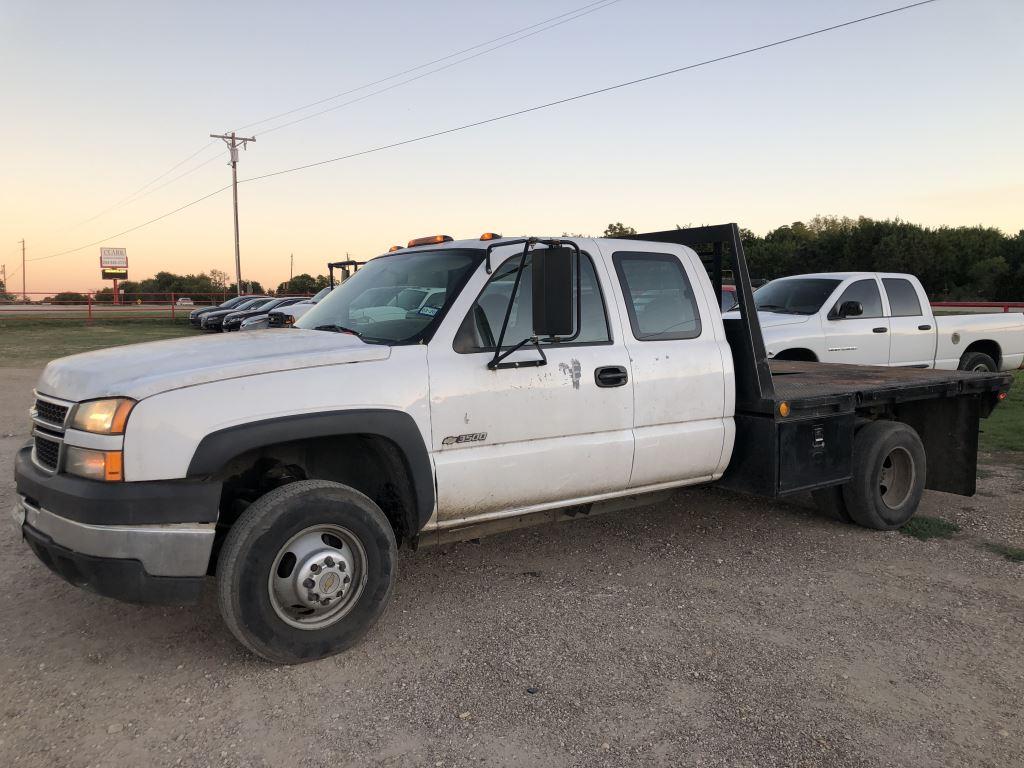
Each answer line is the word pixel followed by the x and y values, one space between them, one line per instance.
pixel 473 437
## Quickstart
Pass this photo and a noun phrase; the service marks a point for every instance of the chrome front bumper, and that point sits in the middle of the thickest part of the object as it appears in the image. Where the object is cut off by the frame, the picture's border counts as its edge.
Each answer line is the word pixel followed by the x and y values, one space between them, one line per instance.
pixel 172 549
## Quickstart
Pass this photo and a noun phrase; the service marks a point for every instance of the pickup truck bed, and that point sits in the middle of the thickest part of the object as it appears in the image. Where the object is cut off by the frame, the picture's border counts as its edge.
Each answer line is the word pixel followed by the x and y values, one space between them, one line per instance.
pixel 800 436
pixel 814 385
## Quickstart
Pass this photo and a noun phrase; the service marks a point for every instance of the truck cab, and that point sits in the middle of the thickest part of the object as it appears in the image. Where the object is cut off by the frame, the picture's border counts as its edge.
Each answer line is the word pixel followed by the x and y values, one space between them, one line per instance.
pixel 545 379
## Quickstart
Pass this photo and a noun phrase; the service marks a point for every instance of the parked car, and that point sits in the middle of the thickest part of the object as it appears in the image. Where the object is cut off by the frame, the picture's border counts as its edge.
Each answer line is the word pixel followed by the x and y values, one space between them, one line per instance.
pixel 284 318
pixel 880 318
pixel 252 319
pixel 195 317
pixel 557 380
pixel 184 301
pixel 213 321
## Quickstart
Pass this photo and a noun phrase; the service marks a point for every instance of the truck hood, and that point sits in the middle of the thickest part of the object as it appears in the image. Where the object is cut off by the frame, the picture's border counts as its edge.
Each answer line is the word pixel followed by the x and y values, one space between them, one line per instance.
pixel 772 319
pixel 142 370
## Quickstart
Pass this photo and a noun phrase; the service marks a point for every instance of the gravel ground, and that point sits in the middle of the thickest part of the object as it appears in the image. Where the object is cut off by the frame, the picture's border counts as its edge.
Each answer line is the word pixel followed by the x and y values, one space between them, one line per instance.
pixel 712 630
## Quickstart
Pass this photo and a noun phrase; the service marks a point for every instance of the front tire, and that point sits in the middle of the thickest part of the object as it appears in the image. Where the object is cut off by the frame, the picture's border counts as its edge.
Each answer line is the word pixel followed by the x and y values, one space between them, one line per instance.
pixel 889 473
pixel 306 571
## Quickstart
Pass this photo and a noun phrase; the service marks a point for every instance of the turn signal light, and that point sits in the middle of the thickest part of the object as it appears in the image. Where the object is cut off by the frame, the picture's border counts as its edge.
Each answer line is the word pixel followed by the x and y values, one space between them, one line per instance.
pixel 783 409
pixel 431 240
pixel 490 236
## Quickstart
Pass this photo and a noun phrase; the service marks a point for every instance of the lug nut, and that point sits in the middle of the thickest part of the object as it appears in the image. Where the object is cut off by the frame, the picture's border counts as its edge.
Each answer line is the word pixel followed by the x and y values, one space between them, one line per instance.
pixel 326 601
pixel 342 566
pixel 346 580
pixel 314 568
pixel 309 583
pixel 329 562
pixel 315 597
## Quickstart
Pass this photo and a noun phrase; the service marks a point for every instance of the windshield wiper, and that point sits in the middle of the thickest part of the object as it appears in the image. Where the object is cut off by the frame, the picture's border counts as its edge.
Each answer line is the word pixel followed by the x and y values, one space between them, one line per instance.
pixel 334 328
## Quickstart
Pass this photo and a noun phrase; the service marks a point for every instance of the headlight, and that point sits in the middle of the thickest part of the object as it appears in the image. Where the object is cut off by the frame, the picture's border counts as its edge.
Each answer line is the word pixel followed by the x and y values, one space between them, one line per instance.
pixel 104 417
pixel 93 465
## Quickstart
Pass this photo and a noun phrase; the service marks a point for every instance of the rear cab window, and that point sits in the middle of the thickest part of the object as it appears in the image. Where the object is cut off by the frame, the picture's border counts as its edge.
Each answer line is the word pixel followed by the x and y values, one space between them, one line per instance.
pixel 659 297
pixel 903 298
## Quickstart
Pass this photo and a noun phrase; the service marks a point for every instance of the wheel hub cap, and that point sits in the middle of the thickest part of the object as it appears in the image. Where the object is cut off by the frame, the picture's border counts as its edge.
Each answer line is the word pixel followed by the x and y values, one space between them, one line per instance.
pixel 317 576
pixel 896 478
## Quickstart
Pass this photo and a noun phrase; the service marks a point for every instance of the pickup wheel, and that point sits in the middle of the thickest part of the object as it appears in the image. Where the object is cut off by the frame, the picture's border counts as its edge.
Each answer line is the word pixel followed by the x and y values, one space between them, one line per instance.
pixel 889 471
pixel 305 571
pixel 978 362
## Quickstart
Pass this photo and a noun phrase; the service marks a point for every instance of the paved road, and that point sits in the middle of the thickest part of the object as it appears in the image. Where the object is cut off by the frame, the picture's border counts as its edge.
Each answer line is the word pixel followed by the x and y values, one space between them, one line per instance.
pixel 714 630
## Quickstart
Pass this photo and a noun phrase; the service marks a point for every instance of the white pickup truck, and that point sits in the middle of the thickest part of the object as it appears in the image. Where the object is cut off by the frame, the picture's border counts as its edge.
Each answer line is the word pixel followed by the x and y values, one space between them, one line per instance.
pixel 552 379
pixel 870 318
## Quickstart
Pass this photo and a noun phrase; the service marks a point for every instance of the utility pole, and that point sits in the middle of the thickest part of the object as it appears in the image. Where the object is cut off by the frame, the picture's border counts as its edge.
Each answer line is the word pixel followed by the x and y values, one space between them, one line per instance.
pixel 24 293
pixel 291 270
pixel 233 142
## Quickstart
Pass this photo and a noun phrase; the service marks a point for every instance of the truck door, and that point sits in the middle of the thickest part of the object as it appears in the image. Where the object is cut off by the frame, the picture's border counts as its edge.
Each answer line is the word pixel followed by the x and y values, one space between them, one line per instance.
pixel 678 371
pixel 860 339
pixel 912 330
pixel 519 438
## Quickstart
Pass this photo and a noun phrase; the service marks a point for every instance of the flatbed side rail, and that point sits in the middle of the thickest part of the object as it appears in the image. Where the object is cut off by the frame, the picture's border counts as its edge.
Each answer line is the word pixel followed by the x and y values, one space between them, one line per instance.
pixel 754 387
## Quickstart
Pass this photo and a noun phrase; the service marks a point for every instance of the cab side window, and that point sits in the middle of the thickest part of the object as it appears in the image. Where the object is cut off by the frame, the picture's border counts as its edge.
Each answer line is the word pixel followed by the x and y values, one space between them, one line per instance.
pixel 864 291
pixel 903 301
pixel 659 297
pixel 481 328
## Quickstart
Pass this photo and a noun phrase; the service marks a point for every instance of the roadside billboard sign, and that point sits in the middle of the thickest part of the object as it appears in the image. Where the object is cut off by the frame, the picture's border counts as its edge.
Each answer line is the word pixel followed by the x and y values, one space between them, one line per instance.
pixel 113 258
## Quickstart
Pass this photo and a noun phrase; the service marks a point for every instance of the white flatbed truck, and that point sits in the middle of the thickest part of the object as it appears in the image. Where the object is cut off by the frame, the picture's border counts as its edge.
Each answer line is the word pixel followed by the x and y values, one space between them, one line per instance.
pixel 556 377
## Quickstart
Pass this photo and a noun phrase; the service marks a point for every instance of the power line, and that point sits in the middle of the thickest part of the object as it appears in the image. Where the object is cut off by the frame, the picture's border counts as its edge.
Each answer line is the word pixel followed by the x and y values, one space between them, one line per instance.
pixel 595 92
pixel 145 191
pixel 508 115
pixel 137 193
pixel 428 63
pixel 604 4
pixel 137 227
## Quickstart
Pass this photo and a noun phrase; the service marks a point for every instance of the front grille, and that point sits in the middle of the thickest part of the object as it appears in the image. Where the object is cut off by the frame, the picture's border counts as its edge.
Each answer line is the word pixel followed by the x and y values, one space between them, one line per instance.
pixel 51 412
pixel 47 452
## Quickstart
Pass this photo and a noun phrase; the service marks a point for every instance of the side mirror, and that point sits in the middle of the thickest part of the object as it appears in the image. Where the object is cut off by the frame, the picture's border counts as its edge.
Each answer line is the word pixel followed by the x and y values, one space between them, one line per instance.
pixel 850 309
pixel 552 292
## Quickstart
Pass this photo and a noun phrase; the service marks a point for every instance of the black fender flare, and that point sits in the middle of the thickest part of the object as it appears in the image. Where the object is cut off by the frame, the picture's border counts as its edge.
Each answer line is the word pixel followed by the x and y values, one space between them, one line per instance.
pixel 218 448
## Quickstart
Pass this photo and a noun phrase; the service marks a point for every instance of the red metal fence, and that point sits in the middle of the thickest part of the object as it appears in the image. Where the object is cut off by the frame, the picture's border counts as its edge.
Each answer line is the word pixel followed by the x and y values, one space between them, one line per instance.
pixel 90 306
pixel 1002 306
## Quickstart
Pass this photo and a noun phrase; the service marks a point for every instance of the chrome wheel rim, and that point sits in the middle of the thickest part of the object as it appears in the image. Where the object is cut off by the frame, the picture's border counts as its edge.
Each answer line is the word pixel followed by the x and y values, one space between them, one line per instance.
pixel 896 479
pixel 317 576
pixel 981 368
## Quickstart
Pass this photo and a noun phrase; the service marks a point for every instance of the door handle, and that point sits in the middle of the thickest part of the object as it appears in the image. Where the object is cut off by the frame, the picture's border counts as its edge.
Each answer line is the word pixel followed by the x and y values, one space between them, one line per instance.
pixel 924 327
pixel 883 329
pixel 611 376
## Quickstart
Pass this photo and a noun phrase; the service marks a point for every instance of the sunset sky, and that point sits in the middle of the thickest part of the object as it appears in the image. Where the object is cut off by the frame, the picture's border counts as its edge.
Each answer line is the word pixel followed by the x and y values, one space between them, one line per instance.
pixel 916 115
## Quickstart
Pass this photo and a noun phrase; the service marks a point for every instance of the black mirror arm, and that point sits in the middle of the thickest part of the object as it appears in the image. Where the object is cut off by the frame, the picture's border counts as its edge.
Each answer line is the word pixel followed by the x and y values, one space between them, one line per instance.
pixel 495 362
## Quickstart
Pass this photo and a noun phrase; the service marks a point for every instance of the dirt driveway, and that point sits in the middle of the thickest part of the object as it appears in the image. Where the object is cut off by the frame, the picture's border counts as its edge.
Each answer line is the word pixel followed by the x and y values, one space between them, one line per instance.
pixel 713 630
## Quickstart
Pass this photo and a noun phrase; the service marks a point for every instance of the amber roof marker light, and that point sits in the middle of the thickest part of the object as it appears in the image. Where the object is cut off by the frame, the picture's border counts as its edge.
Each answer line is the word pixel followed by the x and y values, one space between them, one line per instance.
pixel 430 240
pixel 490 236
pixel 394 248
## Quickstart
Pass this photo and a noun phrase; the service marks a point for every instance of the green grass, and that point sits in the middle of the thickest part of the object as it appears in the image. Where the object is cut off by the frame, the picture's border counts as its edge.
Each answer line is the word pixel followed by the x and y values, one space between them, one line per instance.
pixel 924 528
pixel 1004 429
pixel 1013 554
pixel 25 343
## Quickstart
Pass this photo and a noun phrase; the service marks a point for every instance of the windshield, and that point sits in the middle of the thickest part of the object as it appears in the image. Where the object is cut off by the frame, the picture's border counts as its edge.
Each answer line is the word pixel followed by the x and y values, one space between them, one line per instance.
pixel 320 294
pixel 800 296
pixel 394 299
